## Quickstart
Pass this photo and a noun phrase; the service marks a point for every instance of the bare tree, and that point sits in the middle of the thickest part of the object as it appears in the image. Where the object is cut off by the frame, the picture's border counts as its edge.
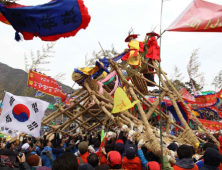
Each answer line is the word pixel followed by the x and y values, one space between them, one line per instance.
pixel 177 75
pixel 177 78
pixel 217 82
pixel 40 59
pixel 193 68
pixel 99 55
pixel 60 77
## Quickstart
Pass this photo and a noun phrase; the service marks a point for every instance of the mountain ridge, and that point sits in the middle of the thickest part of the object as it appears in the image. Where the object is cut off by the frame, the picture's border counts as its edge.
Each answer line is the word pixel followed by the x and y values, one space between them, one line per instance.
pixel 14 81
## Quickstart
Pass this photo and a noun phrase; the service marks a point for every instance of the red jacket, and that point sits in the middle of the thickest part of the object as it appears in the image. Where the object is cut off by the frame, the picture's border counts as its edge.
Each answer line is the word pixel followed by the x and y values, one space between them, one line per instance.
pixel 131 164
pixel 83 157
pixel 154 49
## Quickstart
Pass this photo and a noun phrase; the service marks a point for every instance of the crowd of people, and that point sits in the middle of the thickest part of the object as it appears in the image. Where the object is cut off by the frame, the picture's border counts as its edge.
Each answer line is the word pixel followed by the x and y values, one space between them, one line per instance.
pixel 117 150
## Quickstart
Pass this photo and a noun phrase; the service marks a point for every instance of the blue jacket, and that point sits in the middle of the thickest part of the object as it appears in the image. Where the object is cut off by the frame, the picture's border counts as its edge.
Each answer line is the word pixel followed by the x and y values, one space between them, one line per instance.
pixel 142 158
pixel 208 167
pixel 45 160
pixel 200 164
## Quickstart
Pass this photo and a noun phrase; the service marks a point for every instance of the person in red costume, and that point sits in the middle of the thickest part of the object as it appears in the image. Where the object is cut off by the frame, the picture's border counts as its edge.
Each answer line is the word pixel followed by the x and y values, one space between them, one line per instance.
pixel 153 53
pixel 132 57
pixel 153 47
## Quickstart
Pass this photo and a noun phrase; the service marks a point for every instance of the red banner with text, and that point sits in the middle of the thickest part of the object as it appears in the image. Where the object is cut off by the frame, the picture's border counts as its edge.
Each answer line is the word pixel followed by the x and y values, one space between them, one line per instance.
pixel 206 100
pixel 211 125
pixel 199 16
pixel 45 84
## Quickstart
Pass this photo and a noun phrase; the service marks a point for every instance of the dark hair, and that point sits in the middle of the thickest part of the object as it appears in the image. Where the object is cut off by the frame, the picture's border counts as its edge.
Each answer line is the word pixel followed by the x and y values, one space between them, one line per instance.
pixel 210 140
pixel 67 161
pixel 97 144
pixel 108 148
pixel 93 159
pixel 45 141
pixel 24 141
pixel 150 156
pixel 116 167
pixel 9 145
pixel 184 151
pixel 210 145
pixel 193 150
pixel 31 144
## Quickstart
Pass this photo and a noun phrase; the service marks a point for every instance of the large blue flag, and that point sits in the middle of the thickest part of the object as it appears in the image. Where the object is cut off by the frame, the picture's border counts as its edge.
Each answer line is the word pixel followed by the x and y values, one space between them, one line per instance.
pixel 50 21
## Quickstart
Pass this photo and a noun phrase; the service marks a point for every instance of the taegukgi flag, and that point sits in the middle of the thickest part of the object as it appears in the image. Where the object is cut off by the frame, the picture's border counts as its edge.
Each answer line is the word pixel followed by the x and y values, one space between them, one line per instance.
pixel 23 114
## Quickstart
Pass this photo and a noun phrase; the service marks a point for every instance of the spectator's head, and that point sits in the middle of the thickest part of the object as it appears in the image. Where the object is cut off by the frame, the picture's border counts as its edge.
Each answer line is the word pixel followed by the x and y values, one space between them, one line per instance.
pixel 108 148
pixel 209 145
pixel 40 143
pixel 25 141
pixel 210 140
pixel 26 147
pixel 212 157
pixel 114 160
pixel 193 150
pixel 83 147
pixel 130 152
pixel 47 142
pixel 10 145
pixel 34 160
pixel 93 159
pixel 150 156
pixel 43 168
pixel 85 167
pixel 173 146
pixel 32 147
pixel 119 146
pixel 184 151
pixel 97 144
pixel 153 165
pixel 67 161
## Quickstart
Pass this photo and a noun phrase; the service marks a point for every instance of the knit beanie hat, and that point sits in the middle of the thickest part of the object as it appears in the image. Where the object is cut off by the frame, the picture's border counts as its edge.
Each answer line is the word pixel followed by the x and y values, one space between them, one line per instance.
pixel 130 152
pixel 153 165
pixel 212 157
pixel 33 160
pixel 83 147
pixel 173 146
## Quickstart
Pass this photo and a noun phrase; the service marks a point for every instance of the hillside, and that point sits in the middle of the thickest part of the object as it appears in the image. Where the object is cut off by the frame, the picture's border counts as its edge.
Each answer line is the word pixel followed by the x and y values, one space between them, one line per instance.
pixel 10 78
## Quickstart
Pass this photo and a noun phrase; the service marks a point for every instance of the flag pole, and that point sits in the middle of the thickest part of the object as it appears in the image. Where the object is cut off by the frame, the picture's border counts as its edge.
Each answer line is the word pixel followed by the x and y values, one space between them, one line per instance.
pixel 217 111
pixel 3 96
pixel 161 125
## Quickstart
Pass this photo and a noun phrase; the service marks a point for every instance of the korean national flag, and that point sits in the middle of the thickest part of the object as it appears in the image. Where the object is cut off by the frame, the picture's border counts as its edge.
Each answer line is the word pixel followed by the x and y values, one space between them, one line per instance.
pixel 23 114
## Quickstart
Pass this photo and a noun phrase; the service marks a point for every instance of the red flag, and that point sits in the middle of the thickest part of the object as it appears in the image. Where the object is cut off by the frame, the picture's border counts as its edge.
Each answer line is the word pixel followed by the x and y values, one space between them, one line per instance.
pixel 206 100
pixel 187 96
pixel 219 94
pixel 212 125
pixel 45 84
pixel 199 16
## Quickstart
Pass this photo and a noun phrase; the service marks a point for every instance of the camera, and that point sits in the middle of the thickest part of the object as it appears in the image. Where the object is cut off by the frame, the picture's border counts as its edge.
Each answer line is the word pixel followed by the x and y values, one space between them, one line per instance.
pixel 44 152
pixel 20 154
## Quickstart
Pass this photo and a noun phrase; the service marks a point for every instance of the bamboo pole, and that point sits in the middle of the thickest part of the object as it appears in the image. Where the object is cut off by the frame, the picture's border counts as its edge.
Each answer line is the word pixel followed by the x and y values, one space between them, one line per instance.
pixel 188 109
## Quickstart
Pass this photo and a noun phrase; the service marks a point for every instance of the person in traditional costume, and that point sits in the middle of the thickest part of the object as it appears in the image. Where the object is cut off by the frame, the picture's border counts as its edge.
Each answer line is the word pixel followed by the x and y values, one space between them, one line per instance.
pixel 153 53
pixel 132 57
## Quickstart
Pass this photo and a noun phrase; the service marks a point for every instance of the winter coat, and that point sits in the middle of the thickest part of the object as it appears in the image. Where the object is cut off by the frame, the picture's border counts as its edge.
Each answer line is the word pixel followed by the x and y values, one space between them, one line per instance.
pixel 83 157
pixel 154 49
pixel 45 160
pixel 131 164
pixel 23 166
pixel 185 163
pixel 142 158
pixel 208 167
